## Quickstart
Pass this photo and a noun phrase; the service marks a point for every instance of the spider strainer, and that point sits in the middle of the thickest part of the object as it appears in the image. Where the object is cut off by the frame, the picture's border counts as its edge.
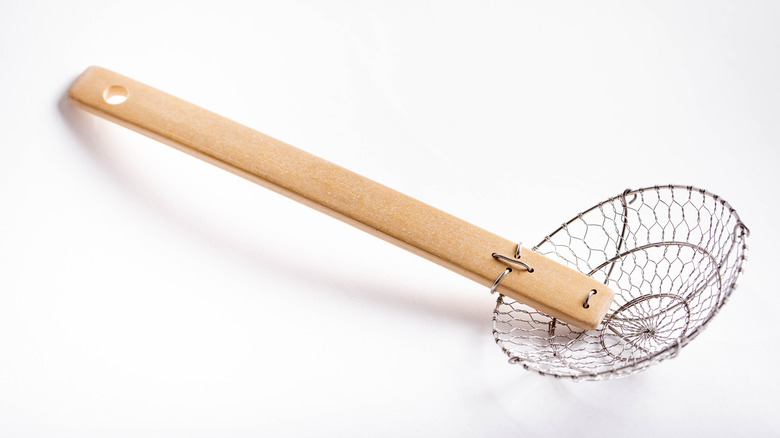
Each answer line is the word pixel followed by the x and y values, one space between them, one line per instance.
pixel 672 254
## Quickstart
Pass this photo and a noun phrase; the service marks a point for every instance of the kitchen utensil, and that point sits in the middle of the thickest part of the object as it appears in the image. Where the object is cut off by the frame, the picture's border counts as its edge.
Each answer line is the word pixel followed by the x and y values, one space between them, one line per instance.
pixel 673 252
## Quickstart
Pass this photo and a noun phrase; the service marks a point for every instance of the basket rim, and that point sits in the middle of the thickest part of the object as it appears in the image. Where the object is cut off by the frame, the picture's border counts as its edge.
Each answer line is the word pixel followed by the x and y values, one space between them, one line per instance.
pixel 627 192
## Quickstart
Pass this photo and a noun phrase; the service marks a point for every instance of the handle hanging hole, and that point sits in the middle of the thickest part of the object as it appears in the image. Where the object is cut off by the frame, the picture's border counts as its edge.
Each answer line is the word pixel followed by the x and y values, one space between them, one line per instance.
pixel 115 94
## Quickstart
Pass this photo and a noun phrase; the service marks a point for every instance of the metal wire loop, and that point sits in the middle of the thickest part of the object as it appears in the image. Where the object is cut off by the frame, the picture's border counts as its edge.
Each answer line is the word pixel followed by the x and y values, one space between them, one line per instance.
pixel 585 304
pixel 519 249
pixel 516 261
pixel 498 280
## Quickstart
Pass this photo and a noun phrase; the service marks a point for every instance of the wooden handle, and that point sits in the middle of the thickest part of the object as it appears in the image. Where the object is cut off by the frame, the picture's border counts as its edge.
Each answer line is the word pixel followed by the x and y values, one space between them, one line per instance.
pixel 426 231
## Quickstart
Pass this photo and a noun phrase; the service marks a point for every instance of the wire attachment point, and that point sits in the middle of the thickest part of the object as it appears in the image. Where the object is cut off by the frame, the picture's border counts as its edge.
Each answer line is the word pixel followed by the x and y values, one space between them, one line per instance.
pixel 498 280
pixel 515 260
pixel 591 293
pixel 511 260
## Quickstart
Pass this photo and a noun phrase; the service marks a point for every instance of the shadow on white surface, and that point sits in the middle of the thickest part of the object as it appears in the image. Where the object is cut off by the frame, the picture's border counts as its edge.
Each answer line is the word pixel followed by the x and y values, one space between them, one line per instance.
pixel 98 148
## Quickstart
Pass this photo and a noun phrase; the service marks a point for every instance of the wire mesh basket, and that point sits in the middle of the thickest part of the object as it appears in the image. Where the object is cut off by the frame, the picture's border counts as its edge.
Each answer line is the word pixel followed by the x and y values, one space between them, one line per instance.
pixel 671 253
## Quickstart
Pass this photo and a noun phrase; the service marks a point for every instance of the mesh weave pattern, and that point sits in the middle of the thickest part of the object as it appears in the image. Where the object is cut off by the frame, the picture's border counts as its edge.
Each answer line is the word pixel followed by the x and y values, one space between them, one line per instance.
pixel 672 255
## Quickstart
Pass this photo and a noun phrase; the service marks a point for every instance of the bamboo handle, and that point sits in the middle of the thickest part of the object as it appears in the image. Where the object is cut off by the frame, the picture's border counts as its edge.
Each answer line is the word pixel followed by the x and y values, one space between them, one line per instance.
pixel 426 231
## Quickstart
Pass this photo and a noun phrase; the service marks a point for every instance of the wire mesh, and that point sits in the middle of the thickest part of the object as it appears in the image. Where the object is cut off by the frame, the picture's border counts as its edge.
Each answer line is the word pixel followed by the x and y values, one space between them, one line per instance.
pixel 672 254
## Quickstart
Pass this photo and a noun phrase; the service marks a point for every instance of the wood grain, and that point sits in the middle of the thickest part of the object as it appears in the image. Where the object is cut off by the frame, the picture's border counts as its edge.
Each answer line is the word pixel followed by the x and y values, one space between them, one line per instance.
pixel 399 219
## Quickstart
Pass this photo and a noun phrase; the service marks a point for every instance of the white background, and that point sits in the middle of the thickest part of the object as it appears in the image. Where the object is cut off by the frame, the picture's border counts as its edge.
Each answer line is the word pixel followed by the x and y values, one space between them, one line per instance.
pixel 145 293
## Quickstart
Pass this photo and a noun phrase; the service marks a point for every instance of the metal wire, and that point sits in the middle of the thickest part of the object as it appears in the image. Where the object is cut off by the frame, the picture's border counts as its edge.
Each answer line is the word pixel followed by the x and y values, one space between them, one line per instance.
pixel 515 261
pixel 672 254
